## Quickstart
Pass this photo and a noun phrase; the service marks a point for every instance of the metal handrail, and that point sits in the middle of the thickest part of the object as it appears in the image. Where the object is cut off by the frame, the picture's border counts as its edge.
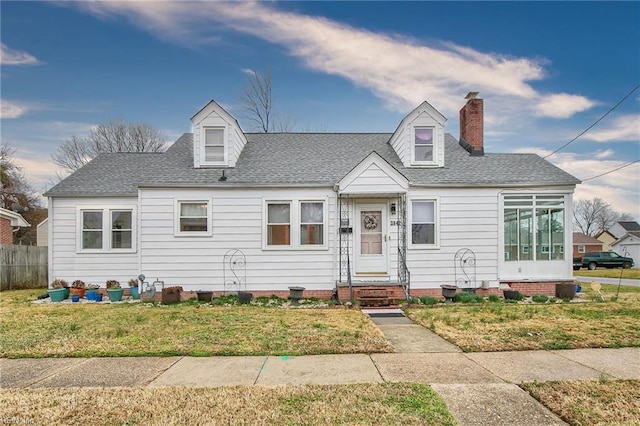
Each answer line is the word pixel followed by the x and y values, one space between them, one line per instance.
pixel 404 275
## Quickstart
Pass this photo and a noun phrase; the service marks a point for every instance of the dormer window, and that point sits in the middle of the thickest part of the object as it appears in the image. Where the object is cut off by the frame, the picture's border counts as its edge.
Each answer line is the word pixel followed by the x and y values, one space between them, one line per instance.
pixel 214 144
pixel 423 145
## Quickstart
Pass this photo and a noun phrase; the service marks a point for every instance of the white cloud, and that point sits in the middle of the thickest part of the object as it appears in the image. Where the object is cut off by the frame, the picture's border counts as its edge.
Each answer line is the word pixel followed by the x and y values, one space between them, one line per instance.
pixel 625 128
pixel 562 105
pixel 9 109
pixel 605 153
pixel 400 71
pixel 10 56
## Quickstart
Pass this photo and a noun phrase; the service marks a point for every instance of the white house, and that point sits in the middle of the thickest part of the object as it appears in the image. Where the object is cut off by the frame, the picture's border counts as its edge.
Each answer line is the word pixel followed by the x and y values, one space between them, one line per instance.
pixel 408 210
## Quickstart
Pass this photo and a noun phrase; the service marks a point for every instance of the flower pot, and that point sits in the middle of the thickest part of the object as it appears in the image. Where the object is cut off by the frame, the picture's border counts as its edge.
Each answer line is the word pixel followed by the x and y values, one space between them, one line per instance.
pixel 565 291
pixel 79 291
pixel 204 296
pixel 135 293
pixel 295 294
pixel 244 297
pixel 56 294
pixel 115 294
pixel 75 298
pixel 170 297
pixel 448 292
pixel 90 294
pixel 97 297
pixel 511 294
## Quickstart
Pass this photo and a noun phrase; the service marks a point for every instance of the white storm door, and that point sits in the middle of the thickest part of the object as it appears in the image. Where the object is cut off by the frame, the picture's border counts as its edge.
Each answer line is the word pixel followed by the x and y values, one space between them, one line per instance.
pixel 371 239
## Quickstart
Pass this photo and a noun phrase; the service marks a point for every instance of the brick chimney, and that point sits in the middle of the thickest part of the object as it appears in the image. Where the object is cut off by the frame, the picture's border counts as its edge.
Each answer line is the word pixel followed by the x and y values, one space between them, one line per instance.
pixel 471 125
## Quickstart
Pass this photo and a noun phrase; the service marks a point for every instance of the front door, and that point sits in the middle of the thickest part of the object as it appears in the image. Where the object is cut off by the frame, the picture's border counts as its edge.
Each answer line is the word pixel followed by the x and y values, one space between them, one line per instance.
pixel 371 239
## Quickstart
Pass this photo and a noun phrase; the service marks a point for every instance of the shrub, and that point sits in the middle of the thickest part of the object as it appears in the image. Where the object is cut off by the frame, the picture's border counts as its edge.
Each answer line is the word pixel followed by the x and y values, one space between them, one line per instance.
pixel 466 297
pixel 539 298
pixel 494 298
pixel 428 300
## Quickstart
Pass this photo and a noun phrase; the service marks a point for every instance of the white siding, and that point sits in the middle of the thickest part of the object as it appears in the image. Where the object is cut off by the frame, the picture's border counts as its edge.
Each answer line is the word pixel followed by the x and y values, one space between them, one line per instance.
pixel 69 264
pixel 214 116
pixel 372 180
pixel 468 219
pixel 423 116
pixel 197 262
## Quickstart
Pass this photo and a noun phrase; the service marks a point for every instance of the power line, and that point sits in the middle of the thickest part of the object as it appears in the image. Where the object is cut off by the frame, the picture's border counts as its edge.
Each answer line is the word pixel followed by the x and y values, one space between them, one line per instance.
pixel 611 171
pixel 597 121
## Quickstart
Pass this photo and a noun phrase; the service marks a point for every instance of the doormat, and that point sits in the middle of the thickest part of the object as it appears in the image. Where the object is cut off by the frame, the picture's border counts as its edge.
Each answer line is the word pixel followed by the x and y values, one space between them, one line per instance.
pixel 386 315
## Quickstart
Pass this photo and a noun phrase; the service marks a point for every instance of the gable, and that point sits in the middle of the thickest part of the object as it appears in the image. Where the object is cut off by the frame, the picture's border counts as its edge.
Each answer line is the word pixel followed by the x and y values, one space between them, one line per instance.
pixel 373 175
pixel 427 117
pixel 213 118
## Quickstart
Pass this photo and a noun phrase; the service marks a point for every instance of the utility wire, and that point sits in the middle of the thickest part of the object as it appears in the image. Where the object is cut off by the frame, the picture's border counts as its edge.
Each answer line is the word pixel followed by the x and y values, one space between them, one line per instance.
pixel 597 121
pixel 611 171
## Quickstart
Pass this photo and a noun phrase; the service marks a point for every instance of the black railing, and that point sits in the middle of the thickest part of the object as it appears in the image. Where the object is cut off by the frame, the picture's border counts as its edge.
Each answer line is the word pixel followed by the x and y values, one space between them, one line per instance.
pixel 404 275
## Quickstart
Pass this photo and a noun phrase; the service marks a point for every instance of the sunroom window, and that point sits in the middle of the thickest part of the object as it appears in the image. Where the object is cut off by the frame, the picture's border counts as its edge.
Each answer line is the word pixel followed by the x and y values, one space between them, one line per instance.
pixel 534 227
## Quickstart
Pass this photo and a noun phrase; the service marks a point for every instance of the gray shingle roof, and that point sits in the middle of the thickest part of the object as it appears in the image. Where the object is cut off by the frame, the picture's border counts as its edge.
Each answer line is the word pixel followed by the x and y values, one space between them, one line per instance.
pixel 302 158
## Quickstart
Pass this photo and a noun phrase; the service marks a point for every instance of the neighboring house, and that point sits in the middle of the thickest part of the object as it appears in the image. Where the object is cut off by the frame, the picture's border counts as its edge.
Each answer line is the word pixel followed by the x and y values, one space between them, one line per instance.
pixel 583 243
pixel 10 222
pixel 620 229
pixel 42 236
pixel 629 246
pixel 318 210
pixel 606 238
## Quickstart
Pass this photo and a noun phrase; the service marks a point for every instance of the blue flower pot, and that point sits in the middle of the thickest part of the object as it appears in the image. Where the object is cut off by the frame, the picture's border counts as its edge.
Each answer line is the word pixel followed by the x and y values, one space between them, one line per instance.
pixel 135 293
pixel 97 297
pixel 91 294
pixel 75 298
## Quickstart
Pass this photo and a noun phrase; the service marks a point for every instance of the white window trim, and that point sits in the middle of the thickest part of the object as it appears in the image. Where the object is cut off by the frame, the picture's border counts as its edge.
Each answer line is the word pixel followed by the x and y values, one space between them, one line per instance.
pixel 436 212
pixel 176 218
pixel 434 161
pixel 203 150
pixel 294 223
pixel 106 229
pixel 582 248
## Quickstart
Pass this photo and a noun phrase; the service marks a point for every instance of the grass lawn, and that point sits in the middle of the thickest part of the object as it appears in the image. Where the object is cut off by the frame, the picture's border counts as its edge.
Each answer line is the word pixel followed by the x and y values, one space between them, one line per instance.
pixel 633 274
pixel 89 330
pixel 591 402
pixel 364 404
pixel 503 327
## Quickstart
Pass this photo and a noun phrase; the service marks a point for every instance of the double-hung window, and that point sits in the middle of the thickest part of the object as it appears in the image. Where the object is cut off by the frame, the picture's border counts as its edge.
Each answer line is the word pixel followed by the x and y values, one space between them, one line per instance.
pixel 214 144
pixel 295 224
pixel 423 223
pixel 106 229
pixel 423 145
pixel 193 218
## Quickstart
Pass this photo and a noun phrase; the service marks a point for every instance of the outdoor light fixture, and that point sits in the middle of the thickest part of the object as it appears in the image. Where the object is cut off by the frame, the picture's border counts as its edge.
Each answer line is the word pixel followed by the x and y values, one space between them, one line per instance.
pixel 393 208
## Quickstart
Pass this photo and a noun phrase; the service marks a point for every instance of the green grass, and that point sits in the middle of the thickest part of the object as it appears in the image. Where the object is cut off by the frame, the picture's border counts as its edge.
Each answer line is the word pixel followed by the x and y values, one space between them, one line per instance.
pixel 89 330
pixel 490 326
pixel 363 404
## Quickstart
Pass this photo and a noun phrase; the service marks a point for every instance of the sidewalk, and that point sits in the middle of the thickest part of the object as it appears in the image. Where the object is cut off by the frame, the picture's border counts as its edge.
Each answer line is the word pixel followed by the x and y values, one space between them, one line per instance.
pixel 478 388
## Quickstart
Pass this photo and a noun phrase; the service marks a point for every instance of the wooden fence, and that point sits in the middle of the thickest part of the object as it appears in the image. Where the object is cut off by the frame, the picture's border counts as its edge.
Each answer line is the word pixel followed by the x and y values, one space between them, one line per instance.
pixel 23 267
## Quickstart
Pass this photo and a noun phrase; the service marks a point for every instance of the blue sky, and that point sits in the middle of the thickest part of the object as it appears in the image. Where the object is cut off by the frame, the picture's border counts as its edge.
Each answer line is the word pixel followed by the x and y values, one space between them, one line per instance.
pixel 547 70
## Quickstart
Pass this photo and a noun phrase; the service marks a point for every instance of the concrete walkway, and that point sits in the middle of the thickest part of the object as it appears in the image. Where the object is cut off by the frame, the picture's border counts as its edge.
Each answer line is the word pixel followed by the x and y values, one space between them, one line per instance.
pixel 612 281
pixel 478 388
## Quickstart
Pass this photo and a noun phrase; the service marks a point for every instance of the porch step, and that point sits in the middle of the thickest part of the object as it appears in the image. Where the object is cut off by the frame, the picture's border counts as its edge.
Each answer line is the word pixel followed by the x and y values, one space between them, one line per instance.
pixel 373 295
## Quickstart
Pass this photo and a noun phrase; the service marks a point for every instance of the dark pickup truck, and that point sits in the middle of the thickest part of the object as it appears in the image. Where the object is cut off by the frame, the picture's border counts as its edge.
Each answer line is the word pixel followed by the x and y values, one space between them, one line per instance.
pixel 607 259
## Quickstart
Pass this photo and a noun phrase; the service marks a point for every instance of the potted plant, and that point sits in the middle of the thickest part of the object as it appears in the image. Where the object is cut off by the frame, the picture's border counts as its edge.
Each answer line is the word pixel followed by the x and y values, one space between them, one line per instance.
pixel 78 287
pixel 133 288
pixel 114 290
pixel 171 295
pixel 59 290
pixel 448 292
pixel 204 296
pixel 91 291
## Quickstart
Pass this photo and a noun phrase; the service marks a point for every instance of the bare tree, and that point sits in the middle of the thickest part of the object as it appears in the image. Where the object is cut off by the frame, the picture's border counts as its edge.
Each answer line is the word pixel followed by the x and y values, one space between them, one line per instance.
pixel 17 194
pixel 594 216
pixel 257 106
pixel 113 136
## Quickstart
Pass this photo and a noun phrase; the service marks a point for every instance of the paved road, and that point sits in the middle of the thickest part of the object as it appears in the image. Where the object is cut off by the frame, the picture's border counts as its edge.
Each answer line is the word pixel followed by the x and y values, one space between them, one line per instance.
pixel 614 281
